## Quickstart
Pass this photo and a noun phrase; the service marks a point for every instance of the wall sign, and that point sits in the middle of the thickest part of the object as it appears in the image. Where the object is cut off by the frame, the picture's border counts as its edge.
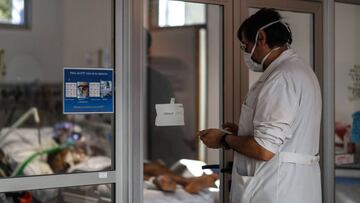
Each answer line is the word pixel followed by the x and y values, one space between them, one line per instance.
pixel 88 90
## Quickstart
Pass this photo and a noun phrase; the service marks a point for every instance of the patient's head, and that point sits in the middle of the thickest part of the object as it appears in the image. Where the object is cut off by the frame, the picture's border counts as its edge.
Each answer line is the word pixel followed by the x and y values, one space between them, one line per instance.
pixel 61 161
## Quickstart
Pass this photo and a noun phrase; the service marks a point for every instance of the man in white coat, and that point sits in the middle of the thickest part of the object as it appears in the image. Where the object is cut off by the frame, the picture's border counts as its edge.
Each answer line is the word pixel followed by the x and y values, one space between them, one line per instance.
pixel 277 141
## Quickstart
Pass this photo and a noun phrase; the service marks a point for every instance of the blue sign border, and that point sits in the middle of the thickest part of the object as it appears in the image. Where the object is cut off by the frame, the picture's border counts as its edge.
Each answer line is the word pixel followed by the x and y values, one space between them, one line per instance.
pixel 90 90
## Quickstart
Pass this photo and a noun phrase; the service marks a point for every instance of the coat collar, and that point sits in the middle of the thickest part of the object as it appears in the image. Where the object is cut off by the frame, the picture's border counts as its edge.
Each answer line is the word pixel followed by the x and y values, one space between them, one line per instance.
pixel 283 56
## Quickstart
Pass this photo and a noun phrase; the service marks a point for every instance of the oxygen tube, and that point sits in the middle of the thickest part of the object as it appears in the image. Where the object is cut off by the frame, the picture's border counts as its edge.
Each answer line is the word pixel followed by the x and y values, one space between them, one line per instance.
pixel 20 169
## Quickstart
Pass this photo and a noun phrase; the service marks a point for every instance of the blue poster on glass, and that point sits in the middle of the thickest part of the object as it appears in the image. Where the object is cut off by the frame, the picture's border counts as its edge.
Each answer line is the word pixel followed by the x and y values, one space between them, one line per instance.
pixel 355 131
pixel 88 90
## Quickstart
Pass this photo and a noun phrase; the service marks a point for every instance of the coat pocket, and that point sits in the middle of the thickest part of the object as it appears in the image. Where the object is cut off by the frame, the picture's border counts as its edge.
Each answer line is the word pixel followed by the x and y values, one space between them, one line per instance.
pixel 242 188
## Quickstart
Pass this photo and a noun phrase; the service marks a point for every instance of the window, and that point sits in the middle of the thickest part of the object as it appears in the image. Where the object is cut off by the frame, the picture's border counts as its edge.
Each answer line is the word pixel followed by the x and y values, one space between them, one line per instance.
pixel 177 13
pixel 13 12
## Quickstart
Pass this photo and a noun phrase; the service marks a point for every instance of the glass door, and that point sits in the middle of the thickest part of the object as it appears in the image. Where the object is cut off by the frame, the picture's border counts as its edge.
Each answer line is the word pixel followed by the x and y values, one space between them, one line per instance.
pixel 305 21
pixel 189 86
pixel 184 66
pixel 347 64
pixel 57 95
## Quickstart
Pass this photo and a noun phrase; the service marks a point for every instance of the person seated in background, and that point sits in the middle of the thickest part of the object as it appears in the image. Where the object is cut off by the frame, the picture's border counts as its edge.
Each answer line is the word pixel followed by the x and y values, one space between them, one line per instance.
pixel 166 180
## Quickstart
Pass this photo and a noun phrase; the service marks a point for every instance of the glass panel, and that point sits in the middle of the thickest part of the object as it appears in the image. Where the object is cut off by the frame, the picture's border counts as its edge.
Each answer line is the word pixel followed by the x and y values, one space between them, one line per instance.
pixel 12 12
pixel 81 194
pixel 169 13
pixel 303 37
pixel 34 132
pixel 347 102
pixel 184 84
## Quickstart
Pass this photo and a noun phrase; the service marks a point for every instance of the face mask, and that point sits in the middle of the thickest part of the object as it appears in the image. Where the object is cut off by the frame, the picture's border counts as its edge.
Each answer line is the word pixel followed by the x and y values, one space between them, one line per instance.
pixel 250 63
pixel 254 66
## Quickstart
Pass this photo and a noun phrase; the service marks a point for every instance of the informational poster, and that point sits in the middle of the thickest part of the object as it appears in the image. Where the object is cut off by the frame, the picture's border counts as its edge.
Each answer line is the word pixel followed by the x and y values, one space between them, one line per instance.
pixel 88 90
pixel 354 88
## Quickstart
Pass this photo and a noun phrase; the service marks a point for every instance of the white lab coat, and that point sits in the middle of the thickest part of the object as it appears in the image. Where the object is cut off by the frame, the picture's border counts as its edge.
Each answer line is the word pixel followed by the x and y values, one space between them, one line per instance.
pixel 283 112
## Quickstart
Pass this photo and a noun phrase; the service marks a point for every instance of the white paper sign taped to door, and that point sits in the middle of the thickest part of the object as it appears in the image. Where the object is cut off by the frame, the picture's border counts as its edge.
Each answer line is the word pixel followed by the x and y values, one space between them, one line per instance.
pixel 169 114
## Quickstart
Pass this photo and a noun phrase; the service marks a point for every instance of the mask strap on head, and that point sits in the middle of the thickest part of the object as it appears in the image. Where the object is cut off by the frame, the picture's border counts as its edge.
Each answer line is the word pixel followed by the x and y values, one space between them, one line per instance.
pixel 269 24
pixel 257 34
pixel 288 29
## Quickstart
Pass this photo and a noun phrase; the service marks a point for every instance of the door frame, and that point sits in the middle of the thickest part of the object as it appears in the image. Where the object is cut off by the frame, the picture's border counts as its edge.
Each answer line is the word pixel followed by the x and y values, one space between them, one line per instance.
pixel 235 87
pixel 134 57
pixel 114 176
pixel 323 12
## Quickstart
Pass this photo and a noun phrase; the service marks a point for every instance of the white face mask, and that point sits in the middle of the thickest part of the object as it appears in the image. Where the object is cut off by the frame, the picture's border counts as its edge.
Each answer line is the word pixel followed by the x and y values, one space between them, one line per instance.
pixel 250 63
pixel 253 65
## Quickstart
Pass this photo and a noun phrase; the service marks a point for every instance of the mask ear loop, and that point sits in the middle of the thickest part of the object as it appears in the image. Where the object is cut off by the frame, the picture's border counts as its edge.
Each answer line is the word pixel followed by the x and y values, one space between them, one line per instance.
pixel 288 29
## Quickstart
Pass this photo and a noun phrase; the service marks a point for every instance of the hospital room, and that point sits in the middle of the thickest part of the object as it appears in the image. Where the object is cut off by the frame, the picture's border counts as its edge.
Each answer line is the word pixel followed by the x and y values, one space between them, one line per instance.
pixel 38 138
pixel 122 101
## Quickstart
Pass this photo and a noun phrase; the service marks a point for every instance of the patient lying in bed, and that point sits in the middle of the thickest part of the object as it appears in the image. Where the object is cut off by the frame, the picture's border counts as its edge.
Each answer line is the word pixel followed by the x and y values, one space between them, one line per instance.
pixel 23 143
pixel 166 180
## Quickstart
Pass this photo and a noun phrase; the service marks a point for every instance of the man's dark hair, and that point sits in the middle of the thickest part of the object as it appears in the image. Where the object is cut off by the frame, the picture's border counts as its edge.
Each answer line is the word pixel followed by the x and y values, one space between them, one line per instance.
pixel 277 34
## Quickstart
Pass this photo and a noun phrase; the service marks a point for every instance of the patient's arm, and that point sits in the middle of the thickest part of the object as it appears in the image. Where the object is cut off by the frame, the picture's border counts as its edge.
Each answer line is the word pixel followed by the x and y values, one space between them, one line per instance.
pixel 197 184
pixel 166 180
pixel 157 169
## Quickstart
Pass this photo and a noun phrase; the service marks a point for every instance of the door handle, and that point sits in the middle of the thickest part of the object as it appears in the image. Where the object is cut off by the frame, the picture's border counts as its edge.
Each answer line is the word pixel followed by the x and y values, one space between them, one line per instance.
pixel 213 166
pixel 227 169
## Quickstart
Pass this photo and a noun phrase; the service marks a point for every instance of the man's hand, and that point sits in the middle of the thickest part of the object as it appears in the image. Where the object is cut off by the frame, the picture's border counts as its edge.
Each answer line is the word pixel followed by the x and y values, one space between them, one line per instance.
pixel 211 138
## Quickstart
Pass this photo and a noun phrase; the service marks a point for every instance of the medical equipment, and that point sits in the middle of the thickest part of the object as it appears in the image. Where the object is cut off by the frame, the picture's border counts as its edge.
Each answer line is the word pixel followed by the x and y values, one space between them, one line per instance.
pixel 20 169
pixel 32 111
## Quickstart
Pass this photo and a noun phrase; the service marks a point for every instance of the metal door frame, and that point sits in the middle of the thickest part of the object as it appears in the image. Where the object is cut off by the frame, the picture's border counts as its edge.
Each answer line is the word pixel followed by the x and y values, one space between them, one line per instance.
pixel 323 11
pixel 120 159
pixel 235 87
pixel 130 101
pixel 134 21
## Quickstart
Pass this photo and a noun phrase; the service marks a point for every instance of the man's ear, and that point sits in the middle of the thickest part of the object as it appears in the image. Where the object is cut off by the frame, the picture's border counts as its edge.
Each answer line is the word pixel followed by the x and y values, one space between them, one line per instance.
pixel 262 38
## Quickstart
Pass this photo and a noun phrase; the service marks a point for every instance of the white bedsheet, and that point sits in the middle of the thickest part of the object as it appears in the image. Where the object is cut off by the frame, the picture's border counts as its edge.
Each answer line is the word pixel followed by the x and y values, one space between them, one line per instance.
pixel 23 142
pixel 151 195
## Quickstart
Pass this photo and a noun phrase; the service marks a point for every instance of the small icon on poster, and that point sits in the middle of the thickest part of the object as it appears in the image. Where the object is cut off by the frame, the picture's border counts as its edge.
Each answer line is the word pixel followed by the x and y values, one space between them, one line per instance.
pixel 94 88
pixel 83 89
pixel 70 90
pixel 105 88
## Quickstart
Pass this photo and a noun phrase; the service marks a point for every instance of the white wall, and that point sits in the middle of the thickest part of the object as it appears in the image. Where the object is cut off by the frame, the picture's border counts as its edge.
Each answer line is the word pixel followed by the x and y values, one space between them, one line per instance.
pixel 87 29
pixel 37 52
pixel 347 53
pixel 62 33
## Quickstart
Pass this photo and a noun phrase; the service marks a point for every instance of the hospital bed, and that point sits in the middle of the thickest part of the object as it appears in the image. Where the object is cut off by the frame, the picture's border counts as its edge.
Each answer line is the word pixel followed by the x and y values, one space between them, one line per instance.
pixel 152 195
pixel 22 143
pixel 186 168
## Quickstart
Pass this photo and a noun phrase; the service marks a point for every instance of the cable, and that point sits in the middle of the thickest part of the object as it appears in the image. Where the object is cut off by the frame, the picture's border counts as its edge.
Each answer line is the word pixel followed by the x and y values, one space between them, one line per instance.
pixel 19 171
